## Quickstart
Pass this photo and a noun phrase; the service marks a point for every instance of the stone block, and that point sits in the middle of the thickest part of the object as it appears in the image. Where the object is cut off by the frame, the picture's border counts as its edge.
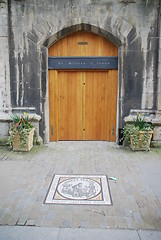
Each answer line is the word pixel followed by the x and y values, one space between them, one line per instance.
pixel 2 73
pixel 30 222
pixel 3 46
pixel 157 133
pixel 36 126
pixel 3 53
pixel 22 221
pixel 45 25
pixel 12 221
pixel 3 31
pixel 39 140
pixel 33 37
pixel 159 70
pixel 125 28
pixel 160 53
pixel 4 129
pixel 154 43
pixel 1 98
pixel 3 20
pixel 3 7
pixel 37 33
pixel 159 101
pixel 40 28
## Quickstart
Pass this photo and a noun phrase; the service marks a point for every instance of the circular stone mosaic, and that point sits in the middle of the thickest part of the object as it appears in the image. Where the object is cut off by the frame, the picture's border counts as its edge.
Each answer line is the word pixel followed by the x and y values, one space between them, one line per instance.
pixel 79 188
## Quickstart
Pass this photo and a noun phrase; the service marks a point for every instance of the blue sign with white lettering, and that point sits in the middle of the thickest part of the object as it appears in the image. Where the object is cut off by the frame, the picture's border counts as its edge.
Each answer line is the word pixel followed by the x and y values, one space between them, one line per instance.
pixel 59 63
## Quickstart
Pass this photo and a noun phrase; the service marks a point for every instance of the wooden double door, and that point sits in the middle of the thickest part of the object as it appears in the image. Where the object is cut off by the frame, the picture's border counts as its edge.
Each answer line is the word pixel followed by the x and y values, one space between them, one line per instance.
pixel 83 105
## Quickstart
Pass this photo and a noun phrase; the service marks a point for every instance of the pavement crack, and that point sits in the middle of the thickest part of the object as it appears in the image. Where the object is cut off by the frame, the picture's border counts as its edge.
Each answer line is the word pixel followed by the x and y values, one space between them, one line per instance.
pixel 98 212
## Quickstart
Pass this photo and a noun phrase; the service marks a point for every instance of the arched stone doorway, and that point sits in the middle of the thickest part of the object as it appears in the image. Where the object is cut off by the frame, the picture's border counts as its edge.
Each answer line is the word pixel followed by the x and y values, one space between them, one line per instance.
pixel 83 98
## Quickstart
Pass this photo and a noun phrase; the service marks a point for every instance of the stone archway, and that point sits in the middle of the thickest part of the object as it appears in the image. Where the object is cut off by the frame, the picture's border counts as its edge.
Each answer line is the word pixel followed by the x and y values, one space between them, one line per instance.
pixel 48 31
pixel 93 29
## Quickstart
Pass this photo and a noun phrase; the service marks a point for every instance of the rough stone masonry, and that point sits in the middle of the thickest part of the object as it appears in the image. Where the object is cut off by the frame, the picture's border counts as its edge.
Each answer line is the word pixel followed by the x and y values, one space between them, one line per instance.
pixel 29 27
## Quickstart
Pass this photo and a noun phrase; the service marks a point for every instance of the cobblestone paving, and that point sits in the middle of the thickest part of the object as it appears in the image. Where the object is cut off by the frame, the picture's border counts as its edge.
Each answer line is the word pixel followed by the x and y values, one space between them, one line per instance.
pixel 25 179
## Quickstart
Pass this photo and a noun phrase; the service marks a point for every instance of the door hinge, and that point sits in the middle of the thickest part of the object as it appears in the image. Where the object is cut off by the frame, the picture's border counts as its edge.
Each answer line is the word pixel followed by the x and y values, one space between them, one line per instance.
pixel 52 130
pixel 113 130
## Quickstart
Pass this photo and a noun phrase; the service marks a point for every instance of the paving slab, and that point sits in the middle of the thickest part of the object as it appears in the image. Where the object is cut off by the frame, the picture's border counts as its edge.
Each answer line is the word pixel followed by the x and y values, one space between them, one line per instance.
pixel 97 234
pixel 149 235
pixel 28 233
pixel 151 171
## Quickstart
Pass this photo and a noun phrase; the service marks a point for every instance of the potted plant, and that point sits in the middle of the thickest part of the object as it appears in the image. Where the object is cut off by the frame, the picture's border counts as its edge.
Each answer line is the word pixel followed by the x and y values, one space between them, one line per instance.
pixel 21 133
pixel 138 133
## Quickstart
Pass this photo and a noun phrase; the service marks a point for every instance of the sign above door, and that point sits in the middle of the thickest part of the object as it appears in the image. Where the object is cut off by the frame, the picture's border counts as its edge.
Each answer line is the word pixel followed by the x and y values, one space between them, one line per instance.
pixel 66 63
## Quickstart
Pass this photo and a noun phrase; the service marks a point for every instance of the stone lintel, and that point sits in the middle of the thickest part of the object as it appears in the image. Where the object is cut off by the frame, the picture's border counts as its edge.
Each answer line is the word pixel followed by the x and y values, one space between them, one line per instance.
pixel 29 110
pixel 148 115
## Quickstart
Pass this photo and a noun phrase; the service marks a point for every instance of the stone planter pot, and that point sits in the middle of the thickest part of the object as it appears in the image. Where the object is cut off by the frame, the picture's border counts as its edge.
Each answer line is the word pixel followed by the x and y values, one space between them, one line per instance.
pixel 141 140
pixel 17 144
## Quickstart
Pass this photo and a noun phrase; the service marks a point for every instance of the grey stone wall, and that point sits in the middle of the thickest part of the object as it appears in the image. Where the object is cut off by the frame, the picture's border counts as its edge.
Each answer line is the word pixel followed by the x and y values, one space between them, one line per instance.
pixel 159 66
pixel 34 25
pixel 5 103
pixel 4 60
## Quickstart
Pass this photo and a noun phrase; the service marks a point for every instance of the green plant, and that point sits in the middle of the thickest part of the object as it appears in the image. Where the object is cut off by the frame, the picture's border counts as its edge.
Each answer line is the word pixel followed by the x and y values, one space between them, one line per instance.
pixel 21 125
pixel 136 131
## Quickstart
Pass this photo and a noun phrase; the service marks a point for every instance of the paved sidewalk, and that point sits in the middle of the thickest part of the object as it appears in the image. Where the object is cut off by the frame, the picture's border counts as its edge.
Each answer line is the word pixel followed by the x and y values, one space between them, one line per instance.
pixel 43 233
pixel 136 195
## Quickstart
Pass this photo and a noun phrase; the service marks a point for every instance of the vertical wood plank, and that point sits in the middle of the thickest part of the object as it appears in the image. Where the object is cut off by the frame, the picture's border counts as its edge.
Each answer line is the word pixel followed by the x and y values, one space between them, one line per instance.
pixel 53 105
pixel 51 113
pixel 70 105
pixel 95 113
pixel 83 104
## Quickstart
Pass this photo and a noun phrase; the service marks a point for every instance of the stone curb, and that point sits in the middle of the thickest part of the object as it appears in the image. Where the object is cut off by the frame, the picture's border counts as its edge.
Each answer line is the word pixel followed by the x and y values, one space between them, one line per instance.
pixel 39 233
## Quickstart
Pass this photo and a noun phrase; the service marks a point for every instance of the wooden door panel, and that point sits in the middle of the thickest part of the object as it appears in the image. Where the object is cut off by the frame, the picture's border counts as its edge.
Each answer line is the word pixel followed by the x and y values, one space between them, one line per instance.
pixel 53 105
pixel 83 44
pixel 95 105
pixel 70 106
